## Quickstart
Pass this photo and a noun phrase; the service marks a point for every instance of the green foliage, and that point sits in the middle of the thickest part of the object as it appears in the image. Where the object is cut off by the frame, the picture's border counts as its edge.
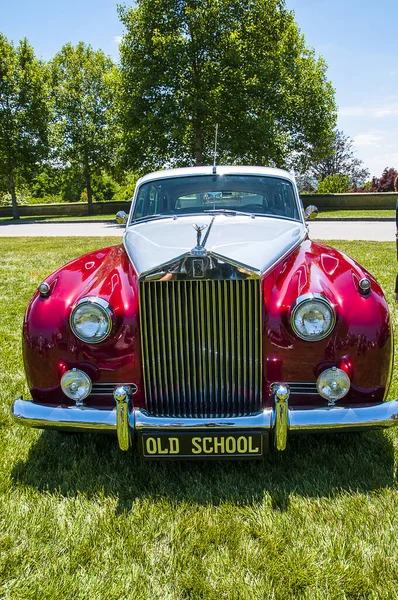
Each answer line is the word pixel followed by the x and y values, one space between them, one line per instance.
pixel 186 66
pixel 83 84
pixel 24 115
pixel 104 187
pixel 6 198
pixel 333 184
pixel 60 183
pixel 365 188
pixel 47 182
pixel 339 159
pixel 127 186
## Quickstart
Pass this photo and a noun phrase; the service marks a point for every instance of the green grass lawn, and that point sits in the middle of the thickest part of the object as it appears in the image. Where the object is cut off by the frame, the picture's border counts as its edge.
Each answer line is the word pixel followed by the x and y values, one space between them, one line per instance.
pixel 357 214
pixel 49 219
pixel 81 520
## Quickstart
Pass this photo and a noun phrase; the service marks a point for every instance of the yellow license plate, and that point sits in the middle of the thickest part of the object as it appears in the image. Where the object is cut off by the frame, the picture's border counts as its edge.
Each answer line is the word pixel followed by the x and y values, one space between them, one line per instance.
pixel 202 445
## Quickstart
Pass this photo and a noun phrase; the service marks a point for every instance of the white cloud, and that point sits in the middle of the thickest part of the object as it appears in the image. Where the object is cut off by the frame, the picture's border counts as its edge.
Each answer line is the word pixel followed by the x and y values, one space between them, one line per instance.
pixel 352 111
pixel 365 140
pixel 367 111
pixel 386 112
pixel 117 39
pixel 379 162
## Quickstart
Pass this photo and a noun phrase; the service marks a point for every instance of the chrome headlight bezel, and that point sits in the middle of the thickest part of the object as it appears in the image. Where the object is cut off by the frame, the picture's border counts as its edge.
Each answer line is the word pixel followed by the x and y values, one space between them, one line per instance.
pixel 85 383
pixel 328 384
pixel 323 303
pixel 106 310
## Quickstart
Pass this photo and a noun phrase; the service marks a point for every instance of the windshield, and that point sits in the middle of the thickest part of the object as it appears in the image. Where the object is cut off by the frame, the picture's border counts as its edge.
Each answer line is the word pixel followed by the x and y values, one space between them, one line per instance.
pixel 250 194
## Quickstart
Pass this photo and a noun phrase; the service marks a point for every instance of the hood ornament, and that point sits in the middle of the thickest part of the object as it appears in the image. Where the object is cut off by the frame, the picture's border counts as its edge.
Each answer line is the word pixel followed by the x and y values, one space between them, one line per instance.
pixel 199 249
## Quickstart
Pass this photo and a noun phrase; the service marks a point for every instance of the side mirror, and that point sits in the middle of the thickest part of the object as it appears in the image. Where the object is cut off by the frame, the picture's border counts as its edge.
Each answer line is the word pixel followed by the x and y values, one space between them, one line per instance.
pixel 311 212
pixel 121 217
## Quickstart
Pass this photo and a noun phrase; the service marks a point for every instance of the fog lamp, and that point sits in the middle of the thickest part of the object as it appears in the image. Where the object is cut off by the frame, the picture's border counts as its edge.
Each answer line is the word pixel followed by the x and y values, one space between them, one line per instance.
pixel 333 384
pixel 76 385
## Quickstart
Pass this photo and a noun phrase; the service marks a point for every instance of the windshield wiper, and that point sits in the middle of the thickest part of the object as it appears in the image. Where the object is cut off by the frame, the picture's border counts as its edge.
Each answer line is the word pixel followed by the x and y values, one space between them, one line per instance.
pixel 153 217
pixel 230 212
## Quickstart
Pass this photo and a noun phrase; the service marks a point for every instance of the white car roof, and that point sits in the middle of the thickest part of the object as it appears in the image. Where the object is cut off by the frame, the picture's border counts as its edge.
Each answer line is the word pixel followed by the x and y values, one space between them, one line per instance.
pixel 221 170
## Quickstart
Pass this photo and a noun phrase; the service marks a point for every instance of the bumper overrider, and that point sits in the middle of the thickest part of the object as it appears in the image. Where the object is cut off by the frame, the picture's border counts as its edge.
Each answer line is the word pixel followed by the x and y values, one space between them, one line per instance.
pixel 234 437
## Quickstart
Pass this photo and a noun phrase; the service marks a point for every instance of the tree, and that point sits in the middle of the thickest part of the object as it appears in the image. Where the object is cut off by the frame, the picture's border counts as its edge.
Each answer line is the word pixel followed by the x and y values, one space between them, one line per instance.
pixel 386 182
pixel 83 95
pixel 340 160
pixel 333 184
pixel 24 115
pixel 188 64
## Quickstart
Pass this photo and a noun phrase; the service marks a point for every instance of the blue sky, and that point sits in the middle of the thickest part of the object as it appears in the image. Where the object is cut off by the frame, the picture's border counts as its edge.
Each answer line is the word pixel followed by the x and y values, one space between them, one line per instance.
pixel 357 38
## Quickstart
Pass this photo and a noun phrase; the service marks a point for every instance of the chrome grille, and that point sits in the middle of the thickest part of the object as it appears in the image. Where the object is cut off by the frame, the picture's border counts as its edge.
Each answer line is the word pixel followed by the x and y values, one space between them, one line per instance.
pixel 107 388
pixel 201 343
pixel 303 388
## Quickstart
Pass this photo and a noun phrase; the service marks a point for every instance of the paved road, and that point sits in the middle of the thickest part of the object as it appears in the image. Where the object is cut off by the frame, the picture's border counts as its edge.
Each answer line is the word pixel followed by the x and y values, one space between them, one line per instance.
pixel 379 231
pixel 322 230
pixel 60 229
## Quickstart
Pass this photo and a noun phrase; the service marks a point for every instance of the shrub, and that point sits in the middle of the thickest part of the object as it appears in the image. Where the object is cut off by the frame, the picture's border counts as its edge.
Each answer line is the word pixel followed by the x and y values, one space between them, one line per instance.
pixel 365 188
pixel 5 198
pixel 386 181
pixel 333 184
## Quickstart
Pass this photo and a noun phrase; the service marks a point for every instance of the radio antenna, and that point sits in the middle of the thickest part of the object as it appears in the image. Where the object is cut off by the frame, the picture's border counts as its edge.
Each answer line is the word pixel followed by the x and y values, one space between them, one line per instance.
pixel 215 152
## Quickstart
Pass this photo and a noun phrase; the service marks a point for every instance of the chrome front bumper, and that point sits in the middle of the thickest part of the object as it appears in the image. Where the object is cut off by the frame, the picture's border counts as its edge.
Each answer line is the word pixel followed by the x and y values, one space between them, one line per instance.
pixel 126 421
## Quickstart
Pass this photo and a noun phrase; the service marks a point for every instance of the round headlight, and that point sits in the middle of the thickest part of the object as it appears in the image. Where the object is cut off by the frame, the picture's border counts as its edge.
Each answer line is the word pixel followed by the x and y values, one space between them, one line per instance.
pixel 312 317
pixel 91 319
pixel 76 384
pixel 333 384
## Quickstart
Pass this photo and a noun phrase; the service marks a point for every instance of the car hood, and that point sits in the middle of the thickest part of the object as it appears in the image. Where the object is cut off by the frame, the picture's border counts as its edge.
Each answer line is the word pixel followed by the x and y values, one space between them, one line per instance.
pixel 254 242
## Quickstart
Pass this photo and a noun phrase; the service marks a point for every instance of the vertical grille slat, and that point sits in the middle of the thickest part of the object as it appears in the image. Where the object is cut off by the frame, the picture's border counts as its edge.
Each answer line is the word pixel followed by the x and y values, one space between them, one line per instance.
pixel 202 347
pixel 167 384
pixel 216 333
pixel 145 345
pixel 169 358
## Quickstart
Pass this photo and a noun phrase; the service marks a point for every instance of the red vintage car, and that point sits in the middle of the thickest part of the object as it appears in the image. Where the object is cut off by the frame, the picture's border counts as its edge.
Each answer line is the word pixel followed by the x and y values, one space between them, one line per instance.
pixel 216 328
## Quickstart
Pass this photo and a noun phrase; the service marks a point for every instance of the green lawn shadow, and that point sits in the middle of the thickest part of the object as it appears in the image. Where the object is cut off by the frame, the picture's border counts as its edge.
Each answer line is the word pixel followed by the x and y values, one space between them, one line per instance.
pixel 313 466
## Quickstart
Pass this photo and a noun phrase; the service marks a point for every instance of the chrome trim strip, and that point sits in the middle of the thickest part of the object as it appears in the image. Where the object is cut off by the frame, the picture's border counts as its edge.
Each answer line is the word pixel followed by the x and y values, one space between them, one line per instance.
pixel 252 272
pixel 144 421
pixel 303 388
pixel 32 414
pixel 107 389
pixel 378 416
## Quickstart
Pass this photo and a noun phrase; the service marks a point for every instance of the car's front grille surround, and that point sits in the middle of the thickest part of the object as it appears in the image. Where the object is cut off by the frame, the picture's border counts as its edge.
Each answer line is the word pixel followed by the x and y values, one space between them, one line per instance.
pixel 202 347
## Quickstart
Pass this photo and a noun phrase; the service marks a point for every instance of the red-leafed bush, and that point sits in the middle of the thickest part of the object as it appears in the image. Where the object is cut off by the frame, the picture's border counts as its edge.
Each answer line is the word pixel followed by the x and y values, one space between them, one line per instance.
pixel 386 181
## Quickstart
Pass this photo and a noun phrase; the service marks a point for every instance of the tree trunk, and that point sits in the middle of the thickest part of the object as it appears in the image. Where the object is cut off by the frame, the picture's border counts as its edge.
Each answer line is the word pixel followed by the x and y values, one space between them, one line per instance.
pixel 89 192
pixel 11 187
pixel 198 148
